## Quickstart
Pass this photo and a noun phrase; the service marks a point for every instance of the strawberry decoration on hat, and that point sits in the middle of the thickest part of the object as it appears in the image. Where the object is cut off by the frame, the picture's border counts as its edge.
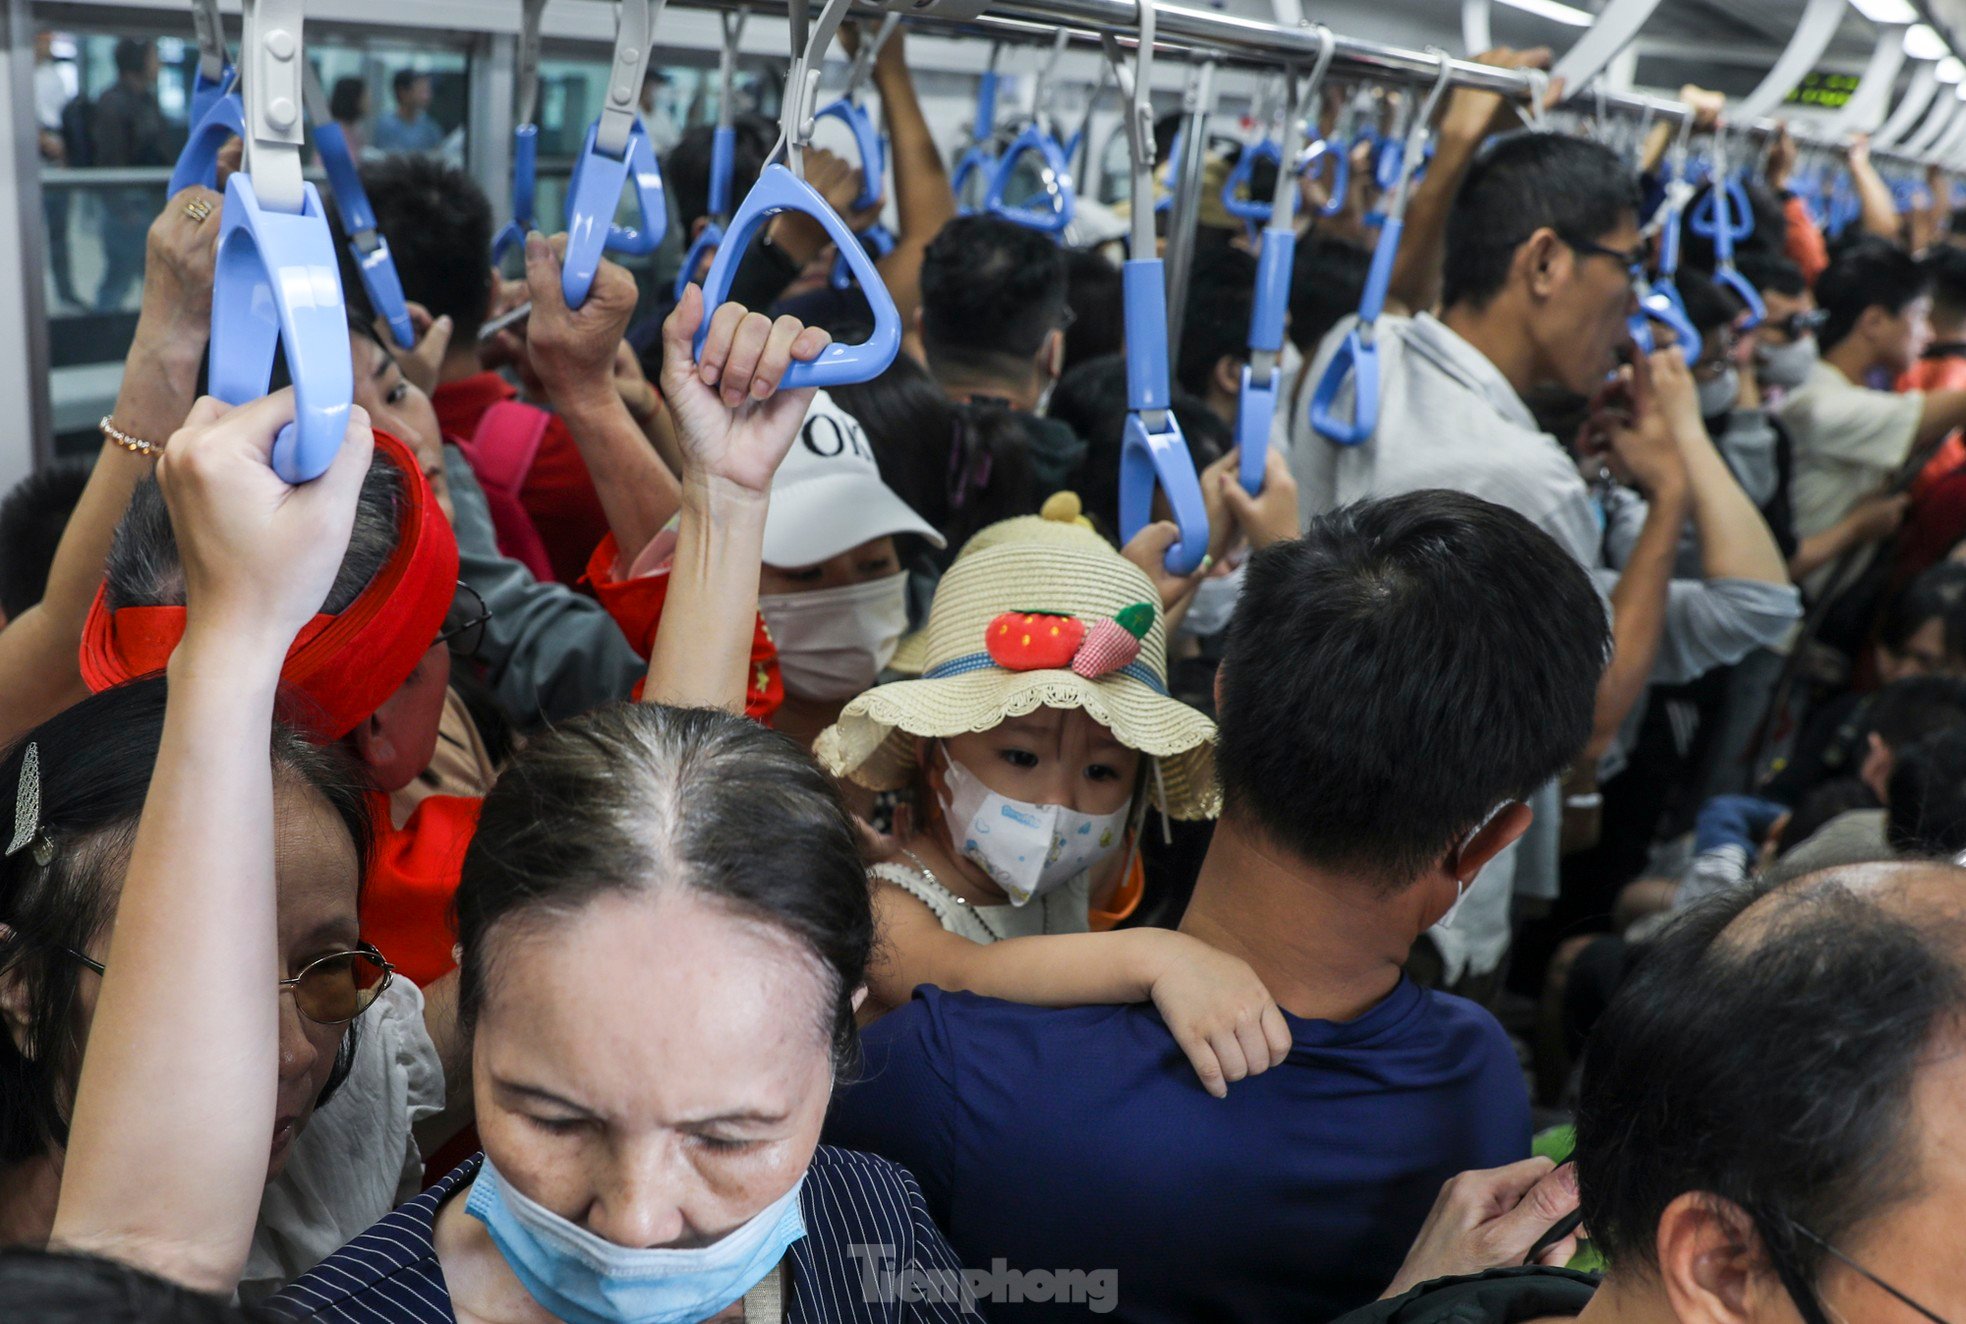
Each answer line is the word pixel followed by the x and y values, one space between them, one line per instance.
pixel 1051 641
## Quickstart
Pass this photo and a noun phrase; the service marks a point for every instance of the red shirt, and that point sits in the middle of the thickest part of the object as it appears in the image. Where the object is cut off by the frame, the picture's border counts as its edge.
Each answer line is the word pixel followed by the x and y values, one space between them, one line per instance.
pixel 1804 246
pixel 636 603
pixel 557 493
pixel 406 904
pixel 1937 518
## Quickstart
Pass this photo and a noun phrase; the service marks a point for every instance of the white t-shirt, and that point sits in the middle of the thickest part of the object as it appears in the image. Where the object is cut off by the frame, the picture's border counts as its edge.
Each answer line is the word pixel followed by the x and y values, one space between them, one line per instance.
pixel 1848 441
pixel 357 1159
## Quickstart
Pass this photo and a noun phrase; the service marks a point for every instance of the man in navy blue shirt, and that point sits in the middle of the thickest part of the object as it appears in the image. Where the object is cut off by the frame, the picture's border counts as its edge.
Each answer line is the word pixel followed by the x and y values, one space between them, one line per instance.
pixel 1394 684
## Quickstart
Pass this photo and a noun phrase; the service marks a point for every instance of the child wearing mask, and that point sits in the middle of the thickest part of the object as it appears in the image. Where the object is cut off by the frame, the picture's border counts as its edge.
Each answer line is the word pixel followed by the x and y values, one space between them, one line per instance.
pixel 1034 741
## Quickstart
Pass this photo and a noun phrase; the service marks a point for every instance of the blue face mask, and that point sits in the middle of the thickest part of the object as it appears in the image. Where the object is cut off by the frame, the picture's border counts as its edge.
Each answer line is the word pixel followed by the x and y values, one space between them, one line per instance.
pixel 585 1279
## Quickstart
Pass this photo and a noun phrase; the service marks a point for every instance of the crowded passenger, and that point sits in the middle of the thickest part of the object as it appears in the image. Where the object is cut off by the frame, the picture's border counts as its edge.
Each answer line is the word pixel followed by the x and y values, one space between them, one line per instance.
pixel 859 793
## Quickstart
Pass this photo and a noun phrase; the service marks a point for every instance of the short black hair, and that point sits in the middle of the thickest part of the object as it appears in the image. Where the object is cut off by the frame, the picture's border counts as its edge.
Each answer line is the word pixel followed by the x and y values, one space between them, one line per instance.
pixel 1709 307
pixel 32 518
pixel 1091 400
pixel 345 102
pixel 146 569
pixel 439 225
pixel 1916 706
pixel 1927 812
pixel 1094 293
pixel 1519 184
pixel 95 763
pixel 1397 672
pixel 1871 274
pixel 1773 274
pixel 686 171
pixel 1932 595
pixel 992 291
pixel 133 56
pixel 1220 297
pixel 916 432
pixel 1945 273
pixel 1819 1020
pixel 1327 283
pixel 404 80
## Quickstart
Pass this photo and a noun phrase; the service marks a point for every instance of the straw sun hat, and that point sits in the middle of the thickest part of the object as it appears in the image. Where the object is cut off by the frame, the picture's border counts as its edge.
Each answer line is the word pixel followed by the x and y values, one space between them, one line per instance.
pixel 1035 613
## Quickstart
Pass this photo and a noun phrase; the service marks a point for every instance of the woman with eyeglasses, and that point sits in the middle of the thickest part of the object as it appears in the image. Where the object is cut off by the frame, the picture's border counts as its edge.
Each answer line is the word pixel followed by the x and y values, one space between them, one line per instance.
pixel 361 1083
pixel 1770 1120
pixel 180 877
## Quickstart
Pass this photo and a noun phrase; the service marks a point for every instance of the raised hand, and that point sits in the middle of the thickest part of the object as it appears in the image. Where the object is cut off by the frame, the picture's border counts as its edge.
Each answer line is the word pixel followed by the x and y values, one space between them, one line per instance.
pixel 733 423
pixel 422 363
pixel 259 553
pixel 573 349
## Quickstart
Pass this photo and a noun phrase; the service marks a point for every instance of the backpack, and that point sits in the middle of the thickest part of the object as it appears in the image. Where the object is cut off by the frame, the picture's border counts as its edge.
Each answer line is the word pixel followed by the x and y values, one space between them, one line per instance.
pixel 501 453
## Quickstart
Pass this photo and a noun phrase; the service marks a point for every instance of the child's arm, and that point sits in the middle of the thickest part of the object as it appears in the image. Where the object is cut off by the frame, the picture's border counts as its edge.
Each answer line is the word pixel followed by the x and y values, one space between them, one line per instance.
pixel 1214 1005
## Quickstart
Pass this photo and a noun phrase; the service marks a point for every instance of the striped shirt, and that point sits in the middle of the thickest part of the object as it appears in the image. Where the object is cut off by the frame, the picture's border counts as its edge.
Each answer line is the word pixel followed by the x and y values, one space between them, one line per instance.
pixel 870 1253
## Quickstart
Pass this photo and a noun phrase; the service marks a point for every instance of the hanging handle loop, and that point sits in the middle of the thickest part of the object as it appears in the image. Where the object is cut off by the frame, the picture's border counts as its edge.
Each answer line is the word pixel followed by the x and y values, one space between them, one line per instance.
pixel 783 188
pixel 1357 358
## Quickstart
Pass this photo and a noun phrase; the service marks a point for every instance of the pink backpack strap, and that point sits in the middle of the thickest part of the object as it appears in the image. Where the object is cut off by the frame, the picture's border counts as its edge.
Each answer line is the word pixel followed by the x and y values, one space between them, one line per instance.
pixel 506 443
pixel 501 452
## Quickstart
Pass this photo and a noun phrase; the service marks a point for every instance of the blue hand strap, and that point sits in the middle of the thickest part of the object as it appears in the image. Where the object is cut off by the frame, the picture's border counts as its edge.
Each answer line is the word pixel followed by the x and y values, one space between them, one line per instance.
pixel 1358 357
pixel 779 190
pixel 1337 168
pixel 224 119
pixel 1639 327
pixel 1663 305
pixel 1724 273
pixel 205 92
pixel 1153 451
pixel 366 242
pixel 1725 215
pixel 878 238
pixel 277 283
pixel 978 157
pixel 1238 197
pixel 723 163
pixel 1258 406
pixel 594 193
pixel 975 163
pixel 867 144
pixel 1056 173
pixel 525 157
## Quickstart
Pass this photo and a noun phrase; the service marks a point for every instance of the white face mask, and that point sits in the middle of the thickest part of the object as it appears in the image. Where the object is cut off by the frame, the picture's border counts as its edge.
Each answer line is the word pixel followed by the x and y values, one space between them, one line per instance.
pixel 1026 849
pixel 1786 366
pixel 1717 397
pixel 832 643
pixel 1213 604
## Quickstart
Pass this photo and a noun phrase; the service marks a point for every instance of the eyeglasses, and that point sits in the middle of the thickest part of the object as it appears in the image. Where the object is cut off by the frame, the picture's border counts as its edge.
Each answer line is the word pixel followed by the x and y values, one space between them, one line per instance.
pixel 1797 325
pixel 330 990
pixel 1806 1300
pixel 1633 260
pixel 464 627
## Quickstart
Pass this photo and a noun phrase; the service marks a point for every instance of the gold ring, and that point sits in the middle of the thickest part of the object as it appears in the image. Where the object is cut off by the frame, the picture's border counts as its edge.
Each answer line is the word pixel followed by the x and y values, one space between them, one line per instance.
pixel 198 210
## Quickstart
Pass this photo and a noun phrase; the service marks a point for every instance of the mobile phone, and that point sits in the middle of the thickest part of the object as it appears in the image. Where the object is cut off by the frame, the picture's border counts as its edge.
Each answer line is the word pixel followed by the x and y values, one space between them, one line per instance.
pixel 505 321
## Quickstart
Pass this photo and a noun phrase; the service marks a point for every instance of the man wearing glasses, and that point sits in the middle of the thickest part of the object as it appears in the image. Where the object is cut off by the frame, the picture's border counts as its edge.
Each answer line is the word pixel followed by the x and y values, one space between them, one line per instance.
pixel 1530 249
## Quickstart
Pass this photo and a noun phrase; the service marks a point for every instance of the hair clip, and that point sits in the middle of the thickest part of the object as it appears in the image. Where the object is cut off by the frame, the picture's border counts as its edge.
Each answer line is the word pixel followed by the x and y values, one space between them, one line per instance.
pixel 27 811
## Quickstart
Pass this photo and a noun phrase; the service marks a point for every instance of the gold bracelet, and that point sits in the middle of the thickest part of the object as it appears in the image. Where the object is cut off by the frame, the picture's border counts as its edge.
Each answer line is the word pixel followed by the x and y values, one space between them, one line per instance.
pixel 150 450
